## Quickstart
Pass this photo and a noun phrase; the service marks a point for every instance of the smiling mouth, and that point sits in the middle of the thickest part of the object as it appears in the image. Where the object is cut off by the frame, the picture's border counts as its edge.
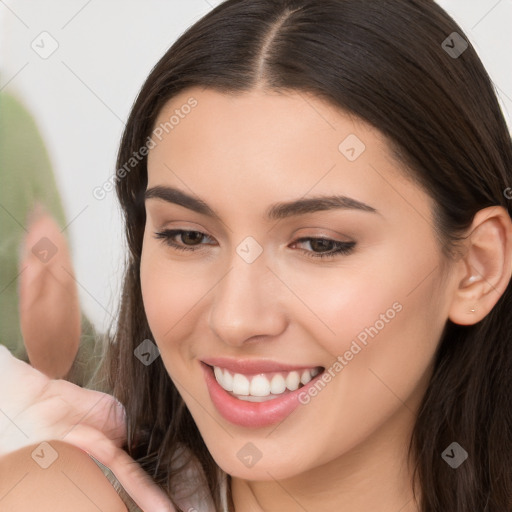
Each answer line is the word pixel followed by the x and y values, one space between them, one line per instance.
pixel 263 386
pixel 257 393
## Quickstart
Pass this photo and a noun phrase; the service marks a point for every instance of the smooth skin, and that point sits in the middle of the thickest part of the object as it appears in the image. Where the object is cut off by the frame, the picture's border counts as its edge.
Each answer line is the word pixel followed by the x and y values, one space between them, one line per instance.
pixel 241 154
pixel 52 477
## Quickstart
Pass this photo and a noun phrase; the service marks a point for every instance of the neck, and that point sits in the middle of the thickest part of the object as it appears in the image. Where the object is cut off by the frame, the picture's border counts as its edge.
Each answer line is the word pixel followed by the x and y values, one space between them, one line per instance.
pixel 373 476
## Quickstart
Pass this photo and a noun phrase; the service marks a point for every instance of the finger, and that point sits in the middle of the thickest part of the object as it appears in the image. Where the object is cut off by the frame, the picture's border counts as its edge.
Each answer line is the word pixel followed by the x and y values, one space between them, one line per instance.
pixel 139 485
pixel 23 387
pixel 95 409
pixel 48 297
pixel 136 482
pixel 13 373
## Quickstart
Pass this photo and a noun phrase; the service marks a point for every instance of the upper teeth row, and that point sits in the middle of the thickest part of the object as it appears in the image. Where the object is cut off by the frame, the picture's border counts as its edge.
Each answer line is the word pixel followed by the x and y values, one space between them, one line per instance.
pixel 261 385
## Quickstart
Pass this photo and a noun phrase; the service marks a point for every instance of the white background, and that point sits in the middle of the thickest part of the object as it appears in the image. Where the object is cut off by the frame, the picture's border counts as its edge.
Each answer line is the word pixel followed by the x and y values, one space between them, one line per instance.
pixel 81 95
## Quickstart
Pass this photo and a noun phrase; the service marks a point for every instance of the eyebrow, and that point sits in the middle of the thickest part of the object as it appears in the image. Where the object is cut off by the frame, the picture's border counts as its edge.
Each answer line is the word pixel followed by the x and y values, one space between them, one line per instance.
pixel 276 211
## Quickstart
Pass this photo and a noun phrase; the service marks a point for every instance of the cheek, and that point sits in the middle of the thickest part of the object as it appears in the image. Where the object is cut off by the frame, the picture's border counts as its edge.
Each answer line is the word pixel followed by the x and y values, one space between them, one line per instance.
pixel 170 298
pixel 379 325
pixel 361 298
pixel 389 328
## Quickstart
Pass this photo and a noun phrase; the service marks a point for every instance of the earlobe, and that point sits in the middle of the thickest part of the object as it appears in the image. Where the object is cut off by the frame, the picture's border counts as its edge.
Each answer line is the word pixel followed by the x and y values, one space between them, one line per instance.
pixel 485 266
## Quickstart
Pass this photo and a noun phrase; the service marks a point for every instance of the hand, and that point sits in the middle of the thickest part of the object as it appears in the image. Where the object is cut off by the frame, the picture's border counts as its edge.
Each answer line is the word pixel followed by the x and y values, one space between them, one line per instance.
pixel 48 297
pixel 34 408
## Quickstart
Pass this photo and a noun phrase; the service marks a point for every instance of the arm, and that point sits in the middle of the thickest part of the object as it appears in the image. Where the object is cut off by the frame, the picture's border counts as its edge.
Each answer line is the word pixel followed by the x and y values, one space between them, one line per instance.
pixel 55 477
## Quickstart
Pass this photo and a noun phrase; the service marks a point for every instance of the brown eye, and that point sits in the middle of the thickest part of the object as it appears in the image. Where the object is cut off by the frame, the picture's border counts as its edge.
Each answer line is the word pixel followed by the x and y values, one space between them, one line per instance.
pixel 321 244
pixel 190 240
pixel 191 237
pixel 325 247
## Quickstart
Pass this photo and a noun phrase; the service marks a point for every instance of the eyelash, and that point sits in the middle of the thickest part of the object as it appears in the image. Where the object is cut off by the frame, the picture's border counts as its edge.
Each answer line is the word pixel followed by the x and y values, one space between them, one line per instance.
pixel 340 248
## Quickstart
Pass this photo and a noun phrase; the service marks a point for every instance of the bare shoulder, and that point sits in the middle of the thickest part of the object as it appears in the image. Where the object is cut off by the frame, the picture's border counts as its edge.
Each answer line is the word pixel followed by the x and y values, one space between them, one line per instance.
pixel 56 477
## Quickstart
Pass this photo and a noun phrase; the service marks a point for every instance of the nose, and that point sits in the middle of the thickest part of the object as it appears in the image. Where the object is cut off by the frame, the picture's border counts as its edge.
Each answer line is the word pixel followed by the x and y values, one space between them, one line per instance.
pixel 247 304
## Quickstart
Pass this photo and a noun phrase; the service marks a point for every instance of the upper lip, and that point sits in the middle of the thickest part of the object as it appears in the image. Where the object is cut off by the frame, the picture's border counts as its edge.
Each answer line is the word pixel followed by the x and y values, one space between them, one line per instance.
pixel 254 366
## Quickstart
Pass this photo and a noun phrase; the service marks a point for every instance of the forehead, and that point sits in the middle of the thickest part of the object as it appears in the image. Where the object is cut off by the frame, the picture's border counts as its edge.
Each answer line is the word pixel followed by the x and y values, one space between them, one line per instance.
pixel 256 118
pixel 261 145
pixel 256 129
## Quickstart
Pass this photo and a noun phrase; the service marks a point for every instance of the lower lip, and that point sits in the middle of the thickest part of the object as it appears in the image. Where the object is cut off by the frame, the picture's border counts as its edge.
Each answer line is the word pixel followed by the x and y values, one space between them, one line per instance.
pixel 251 414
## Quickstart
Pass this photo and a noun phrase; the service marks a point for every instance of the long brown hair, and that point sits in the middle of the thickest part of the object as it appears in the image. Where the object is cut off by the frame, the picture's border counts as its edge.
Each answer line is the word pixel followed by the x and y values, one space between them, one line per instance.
pixel 393 64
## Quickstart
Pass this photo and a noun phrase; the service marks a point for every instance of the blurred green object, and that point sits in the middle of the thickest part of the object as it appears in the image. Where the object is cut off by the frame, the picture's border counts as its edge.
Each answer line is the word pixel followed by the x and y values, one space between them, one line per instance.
pixel 26 177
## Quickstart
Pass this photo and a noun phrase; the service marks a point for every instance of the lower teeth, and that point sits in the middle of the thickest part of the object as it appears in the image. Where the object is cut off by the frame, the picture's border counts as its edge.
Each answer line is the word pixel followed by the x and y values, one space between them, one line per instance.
pixel 250 398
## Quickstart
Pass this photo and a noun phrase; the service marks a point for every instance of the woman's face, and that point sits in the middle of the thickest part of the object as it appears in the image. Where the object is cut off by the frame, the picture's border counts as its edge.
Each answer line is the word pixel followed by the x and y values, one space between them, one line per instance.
pixel 264 184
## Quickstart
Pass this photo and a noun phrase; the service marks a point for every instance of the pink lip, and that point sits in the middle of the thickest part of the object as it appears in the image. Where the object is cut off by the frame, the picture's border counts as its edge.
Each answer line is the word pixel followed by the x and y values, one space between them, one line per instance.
pixel 252 367
pixel 252 414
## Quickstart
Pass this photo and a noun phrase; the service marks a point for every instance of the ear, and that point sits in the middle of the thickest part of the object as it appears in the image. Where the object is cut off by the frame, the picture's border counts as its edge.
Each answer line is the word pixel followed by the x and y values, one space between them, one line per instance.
pixel 486 267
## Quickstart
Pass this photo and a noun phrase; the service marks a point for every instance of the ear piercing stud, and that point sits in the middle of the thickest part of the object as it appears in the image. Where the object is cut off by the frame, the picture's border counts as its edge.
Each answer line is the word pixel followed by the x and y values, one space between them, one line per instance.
pixel 473 309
